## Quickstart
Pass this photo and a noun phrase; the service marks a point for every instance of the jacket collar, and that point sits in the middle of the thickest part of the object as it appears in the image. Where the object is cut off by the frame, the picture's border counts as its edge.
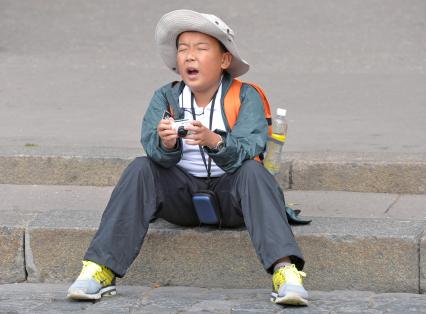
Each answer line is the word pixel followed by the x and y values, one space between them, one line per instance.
pixel 226 83
pixel 176 89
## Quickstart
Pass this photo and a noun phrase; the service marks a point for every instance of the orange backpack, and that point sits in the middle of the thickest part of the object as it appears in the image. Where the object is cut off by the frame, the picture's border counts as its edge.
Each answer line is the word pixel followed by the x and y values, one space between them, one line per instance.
pixel 232 103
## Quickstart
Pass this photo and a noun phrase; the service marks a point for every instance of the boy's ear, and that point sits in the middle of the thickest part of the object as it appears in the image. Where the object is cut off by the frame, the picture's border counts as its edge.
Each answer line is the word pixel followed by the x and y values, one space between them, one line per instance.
pixel 226 60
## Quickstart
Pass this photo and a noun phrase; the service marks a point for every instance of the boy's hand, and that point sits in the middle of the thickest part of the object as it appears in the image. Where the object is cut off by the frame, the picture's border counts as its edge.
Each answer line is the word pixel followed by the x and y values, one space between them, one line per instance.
pixel 167 134
pixel 200 135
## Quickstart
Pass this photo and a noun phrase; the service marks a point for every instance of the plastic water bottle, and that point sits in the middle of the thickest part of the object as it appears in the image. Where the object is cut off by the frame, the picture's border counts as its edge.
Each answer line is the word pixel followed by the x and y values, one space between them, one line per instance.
pixel 276 142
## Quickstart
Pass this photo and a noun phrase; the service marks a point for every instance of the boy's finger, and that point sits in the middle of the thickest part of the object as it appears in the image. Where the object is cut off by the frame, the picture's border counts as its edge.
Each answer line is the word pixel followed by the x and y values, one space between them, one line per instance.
pixel 191 136
pixel 192 142
pixel 166 123
pixel 169 137
pixel 194 125
pixel 166 133
pixel 191 127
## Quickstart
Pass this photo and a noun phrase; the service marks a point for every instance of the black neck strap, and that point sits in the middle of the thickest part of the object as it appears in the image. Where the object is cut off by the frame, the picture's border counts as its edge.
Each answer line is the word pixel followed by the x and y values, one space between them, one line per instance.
pixel 209 165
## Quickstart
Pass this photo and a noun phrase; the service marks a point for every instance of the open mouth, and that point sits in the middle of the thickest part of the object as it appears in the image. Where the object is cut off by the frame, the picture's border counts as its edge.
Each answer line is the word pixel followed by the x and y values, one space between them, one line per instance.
pixel 192 71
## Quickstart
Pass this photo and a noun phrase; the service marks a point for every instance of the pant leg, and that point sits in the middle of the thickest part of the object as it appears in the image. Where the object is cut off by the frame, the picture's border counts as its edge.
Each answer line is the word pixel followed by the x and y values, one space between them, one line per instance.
pixel 175 190
pixel 253 194
pixel 144 191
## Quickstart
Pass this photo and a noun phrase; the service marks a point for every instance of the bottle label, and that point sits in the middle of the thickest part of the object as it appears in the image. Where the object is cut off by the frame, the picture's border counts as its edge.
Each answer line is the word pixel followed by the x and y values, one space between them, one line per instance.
pixel 277 138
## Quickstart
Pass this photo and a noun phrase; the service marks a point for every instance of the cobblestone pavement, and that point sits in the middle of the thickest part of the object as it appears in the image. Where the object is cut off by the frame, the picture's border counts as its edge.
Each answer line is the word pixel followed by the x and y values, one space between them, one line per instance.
pixel 50 298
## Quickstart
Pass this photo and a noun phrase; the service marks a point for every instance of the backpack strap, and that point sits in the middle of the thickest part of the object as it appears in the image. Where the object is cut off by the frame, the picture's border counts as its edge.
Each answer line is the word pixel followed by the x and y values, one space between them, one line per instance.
pixel 169 107
pixel 232 103
pixel 266 106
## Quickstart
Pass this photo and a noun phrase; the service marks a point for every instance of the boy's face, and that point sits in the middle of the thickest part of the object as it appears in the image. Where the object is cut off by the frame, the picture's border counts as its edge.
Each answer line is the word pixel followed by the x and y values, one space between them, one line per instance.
pixel 201 60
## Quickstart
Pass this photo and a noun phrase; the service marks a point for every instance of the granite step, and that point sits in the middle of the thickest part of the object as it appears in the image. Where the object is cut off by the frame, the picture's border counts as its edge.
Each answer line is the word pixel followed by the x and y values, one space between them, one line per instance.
pixel 356 172
pixel 367 241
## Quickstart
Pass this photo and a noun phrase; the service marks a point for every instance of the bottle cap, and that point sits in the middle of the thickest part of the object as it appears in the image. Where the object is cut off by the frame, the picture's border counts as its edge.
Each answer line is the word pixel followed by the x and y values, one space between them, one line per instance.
pixel 281 111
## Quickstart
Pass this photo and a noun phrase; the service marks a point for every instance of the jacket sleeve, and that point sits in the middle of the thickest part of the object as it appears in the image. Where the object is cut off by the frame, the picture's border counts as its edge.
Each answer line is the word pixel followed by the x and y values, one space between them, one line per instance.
pixel 248 137
pixel 149 137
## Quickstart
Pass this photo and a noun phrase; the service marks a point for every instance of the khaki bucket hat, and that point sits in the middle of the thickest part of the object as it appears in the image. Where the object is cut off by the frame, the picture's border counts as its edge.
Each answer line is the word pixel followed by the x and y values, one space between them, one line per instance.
pixel 172 24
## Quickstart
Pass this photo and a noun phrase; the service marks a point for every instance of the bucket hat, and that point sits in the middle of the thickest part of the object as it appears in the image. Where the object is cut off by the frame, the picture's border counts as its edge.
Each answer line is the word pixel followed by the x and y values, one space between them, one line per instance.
pixel 172 24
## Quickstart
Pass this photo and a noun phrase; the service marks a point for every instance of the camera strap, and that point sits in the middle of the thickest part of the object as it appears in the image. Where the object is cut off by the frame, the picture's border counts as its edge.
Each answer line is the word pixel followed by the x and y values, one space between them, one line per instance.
pixel 208 167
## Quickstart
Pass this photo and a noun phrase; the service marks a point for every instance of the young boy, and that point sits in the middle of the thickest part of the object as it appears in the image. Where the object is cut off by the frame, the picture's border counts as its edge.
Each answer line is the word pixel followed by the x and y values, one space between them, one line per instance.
pixel 212 156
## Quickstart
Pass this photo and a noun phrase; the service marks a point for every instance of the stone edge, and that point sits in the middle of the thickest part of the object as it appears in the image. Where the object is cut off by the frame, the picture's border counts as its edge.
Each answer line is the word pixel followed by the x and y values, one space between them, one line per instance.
pixel 30 268
pixel 356 172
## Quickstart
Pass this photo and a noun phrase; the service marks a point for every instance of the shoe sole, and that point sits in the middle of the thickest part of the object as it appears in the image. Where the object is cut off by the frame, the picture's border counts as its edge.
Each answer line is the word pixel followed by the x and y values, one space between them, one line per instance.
pixel 80 295
pixel 289 299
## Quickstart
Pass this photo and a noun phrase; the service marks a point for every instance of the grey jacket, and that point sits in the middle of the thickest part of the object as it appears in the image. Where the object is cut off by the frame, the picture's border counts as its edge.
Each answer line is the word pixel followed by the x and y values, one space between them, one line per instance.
pixel 246 140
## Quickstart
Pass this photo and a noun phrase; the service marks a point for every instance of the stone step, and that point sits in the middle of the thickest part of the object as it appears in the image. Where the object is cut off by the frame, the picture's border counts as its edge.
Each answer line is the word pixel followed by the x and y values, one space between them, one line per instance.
pixel 30 199
pixel 357 244
pixel 50 298
pixel 357 172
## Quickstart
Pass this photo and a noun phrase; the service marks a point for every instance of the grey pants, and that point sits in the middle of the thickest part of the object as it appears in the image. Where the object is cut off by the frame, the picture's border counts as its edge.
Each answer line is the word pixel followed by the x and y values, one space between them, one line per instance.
pixel 250 196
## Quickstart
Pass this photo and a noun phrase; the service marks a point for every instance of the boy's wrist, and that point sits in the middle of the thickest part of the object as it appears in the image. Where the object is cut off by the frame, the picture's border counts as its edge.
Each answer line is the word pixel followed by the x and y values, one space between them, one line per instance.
pixel 217 144
pixel 169 147
pixel 216 139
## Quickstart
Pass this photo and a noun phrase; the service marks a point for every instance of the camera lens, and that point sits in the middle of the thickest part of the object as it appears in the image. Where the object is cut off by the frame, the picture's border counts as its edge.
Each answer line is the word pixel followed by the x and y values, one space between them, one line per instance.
pixel 181 131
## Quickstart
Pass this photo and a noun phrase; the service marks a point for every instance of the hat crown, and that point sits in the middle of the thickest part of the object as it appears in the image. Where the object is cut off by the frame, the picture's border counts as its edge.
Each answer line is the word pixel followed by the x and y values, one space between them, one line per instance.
pixel 219 23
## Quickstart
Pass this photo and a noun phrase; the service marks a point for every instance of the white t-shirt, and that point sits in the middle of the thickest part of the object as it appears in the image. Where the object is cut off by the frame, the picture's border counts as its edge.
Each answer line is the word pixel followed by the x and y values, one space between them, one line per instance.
pixel 191 159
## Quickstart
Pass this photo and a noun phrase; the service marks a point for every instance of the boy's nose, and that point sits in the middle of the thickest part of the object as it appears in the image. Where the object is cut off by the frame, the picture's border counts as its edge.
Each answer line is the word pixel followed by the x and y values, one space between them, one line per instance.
pixel 190 57
pixel 190 54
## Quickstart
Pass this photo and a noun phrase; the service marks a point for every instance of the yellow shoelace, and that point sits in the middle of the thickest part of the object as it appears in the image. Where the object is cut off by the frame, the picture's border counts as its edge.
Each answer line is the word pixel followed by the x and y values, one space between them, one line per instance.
pixel 97 272
pixel 289 275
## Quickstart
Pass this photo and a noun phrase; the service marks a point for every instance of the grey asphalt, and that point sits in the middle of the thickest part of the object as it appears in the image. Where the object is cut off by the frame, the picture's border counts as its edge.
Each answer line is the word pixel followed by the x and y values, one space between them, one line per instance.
pixel 78 75
pixel 50 298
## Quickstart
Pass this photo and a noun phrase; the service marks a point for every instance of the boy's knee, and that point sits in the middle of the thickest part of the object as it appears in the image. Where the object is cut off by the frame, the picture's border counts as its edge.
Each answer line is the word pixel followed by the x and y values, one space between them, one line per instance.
pixel 253 172
pixel 252 167
pixel 140 163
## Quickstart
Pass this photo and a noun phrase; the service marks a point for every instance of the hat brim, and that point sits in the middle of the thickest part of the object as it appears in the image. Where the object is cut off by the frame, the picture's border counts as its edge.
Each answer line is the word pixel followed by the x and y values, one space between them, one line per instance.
pixel 172 24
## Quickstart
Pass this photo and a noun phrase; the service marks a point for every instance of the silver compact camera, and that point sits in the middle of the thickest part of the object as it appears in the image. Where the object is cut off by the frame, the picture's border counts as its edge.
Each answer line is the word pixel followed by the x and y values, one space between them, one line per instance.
pixel 179 126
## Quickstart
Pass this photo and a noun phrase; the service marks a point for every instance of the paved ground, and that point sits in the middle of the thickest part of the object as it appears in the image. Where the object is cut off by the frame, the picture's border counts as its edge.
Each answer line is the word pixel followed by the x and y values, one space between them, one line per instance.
pixel 49 298
pixel 78 75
